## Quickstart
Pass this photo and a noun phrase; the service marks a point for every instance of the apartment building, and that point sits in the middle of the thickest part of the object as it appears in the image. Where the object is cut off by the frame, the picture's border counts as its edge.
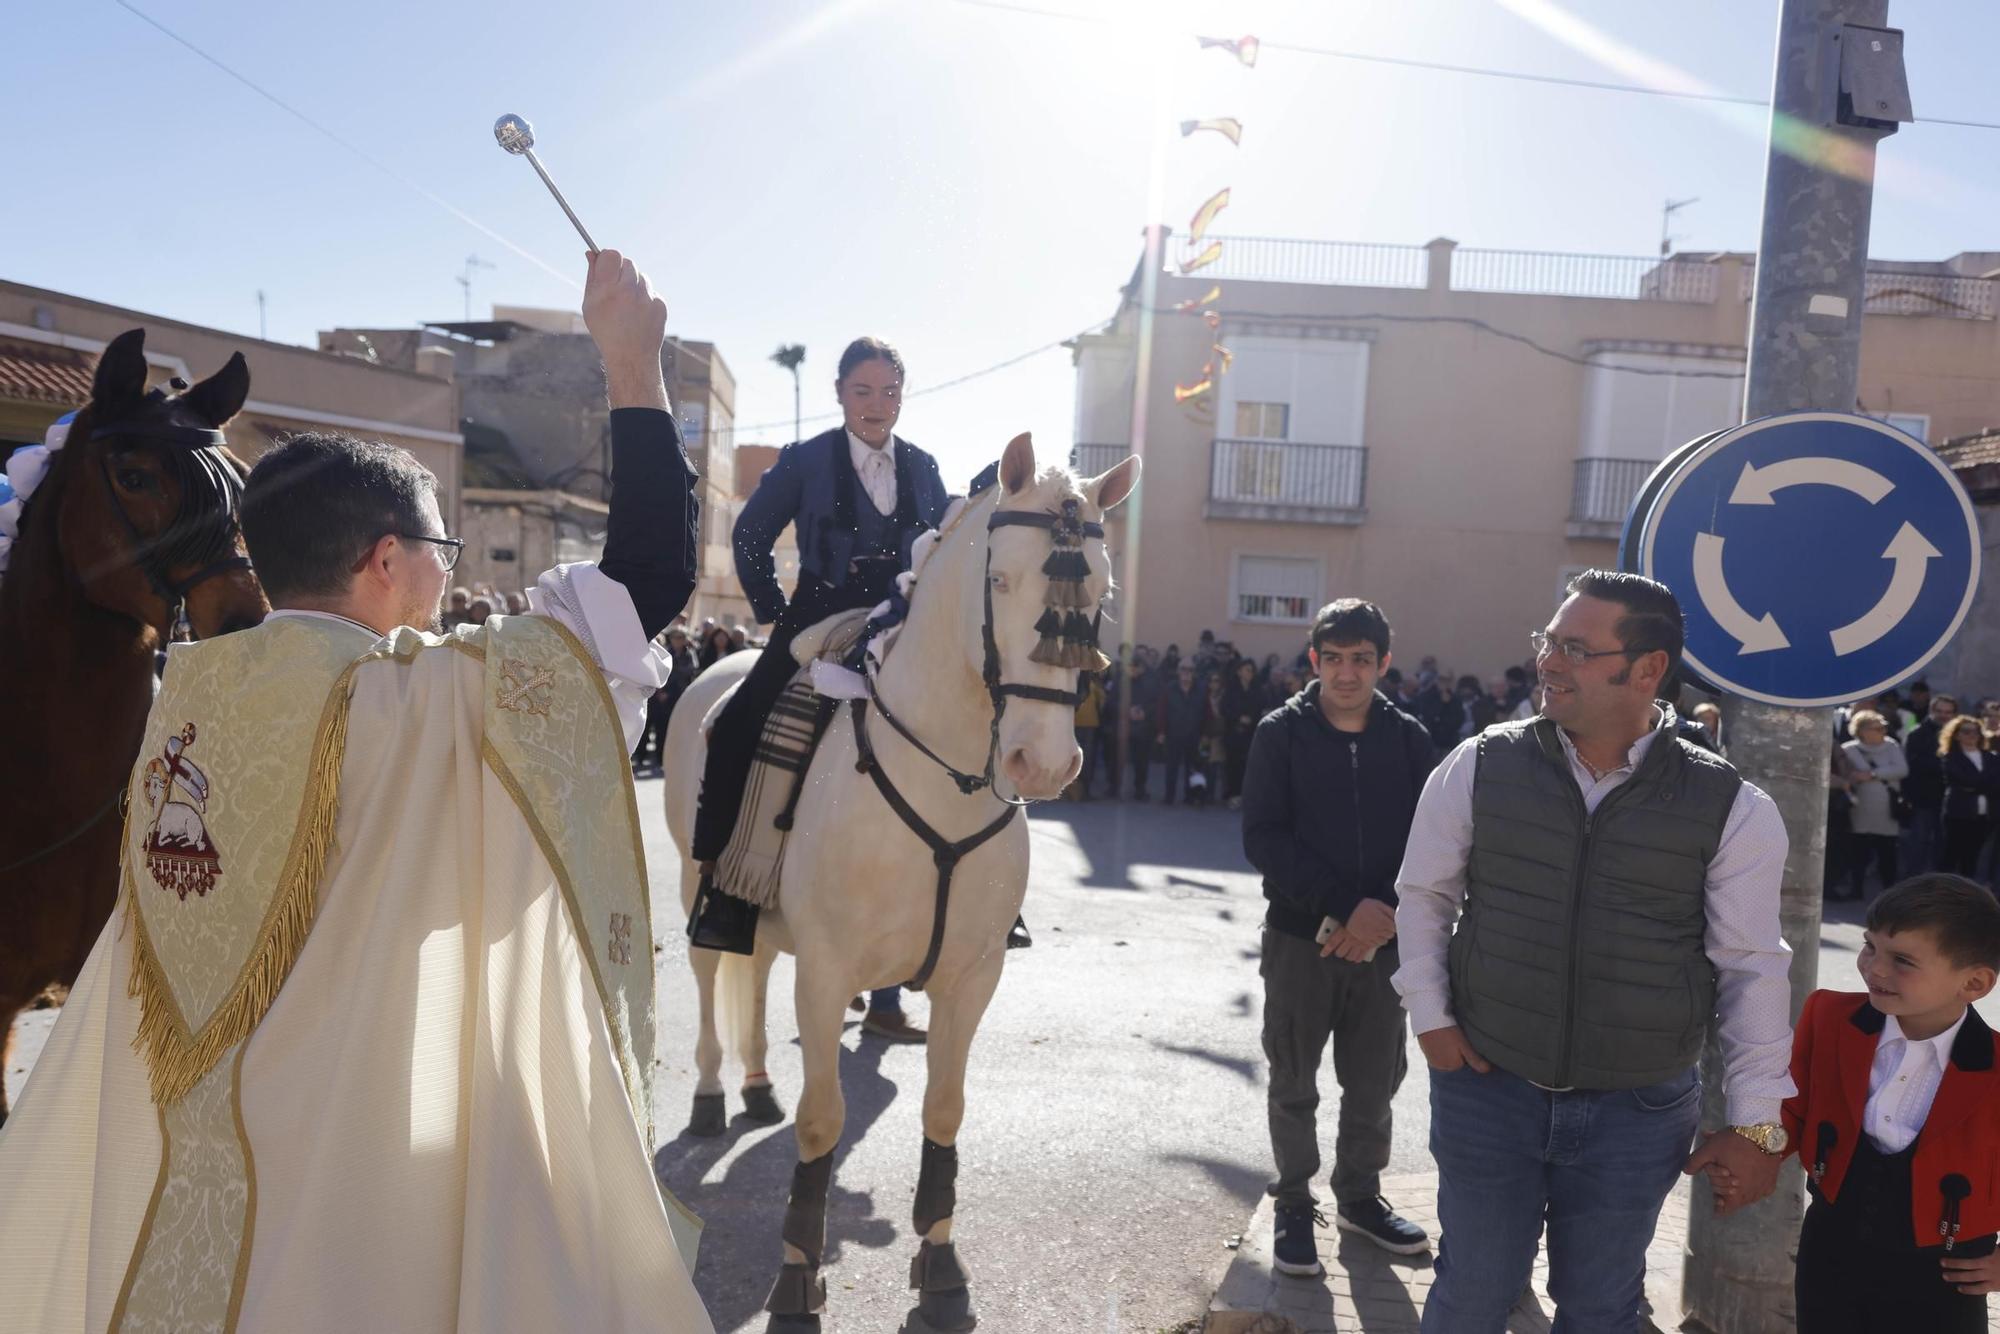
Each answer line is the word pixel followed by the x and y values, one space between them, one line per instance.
pixel 1450 432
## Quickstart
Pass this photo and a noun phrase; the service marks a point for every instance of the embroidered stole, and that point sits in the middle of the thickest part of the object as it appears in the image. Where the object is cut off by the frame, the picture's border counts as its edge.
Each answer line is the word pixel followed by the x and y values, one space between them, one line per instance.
pixel 232 813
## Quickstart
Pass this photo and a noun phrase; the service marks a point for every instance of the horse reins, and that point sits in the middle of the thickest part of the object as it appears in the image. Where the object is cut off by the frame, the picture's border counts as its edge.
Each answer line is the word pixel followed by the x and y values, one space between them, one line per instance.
pixel 998 690
pixel 154 556
pixel 945 853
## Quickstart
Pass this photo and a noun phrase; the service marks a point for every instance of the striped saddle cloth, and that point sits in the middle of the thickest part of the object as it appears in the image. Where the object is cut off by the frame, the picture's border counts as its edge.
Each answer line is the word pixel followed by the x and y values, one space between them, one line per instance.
pixel 749 866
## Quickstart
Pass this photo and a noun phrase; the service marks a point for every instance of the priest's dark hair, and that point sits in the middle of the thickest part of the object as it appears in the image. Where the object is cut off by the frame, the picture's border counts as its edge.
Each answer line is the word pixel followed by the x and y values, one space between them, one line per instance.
pixel 867 349
pixel 316 505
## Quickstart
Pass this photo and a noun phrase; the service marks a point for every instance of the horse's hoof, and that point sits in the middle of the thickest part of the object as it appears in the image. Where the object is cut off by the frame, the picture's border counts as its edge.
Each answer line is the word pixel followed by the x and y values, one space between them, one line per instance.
pixel 947 1312
pixel 761 1105
pixel 792 1324
pixel 710 1116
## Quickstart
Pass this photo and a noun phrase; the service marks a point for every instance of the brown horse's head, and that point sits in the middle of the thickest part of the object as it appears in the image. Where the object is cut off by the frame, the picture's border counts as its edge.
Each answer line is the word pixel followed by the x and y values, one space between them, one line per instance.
pixel 147 502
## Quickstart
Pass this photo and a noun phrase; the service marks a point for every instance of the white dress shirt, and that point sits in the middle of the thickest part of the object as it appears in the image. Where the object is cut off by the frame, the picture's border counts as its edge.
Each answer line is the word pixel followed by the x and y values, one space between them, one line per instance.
pixel 877 470
pixel 596 609
pixel 1903 1082
pixel 1742 940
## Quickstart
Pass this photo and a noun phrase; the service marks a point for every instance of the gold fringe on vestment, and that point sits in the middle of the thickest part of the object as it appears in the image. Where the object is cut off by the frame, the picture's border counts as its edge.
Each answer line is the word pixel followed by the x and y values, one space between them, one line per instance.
pixel 177 1060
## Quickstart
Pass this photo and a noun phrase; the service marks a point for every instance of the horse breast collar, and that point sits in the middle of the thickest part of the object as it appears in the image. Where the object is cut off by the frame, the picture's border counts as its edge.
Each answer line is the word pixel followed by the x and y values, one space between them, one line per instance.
pixel 1068 639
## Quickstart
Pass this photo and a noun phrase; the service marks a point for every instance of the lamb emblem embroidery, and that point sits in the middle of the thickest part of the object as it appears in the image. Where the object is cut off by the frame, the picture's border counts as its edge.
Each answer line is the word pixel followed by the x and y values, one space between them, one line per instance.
pixel 179 853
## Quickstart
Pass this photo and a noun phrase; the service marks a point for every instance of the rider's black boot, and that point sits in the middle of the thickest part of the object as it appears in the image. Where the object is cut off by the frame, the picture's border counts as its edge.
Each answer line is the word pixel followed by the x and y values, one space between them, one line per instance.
pixel 721 921
pixel 1017 935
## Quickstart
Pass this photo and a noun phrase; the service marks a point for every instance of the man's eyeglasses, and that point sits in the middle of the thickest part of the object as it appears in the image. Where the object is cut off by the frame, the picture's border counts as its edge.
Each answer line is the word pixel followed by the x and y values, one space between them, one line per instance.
pixel 1577 653
pixel 449 548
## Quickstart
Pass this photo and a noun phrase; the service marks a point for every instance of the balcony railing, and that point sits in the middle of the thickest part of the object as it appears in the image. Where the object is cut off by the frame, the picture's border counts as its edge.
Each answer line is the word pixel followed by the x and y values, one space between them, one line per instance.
pixel 1340 263
pixel 1609 277
pixel 1604 488
pixel 1285 479
pixel 1090 460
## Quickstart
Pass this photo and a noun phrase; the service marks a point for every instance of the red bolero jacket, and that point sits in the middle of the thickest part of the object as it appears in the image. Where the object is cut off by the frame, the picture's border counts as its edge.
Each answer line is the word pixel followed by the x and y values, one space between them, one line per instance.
pixel 1955 1173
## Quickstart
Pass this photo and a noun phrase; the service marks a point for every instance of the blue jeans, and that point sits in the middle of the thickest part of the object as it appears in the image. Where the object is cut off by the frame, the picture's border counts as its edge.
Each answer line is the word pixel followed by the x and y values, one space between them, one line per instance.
pixel 1596 1166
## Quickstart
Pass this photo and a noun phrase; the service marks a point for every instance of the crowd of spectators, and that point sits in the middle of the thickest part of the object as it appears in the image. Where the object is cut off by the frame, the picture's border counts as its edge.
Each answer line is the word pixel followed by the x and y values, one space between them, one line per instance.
pixel 1914 786
pixel 1193 714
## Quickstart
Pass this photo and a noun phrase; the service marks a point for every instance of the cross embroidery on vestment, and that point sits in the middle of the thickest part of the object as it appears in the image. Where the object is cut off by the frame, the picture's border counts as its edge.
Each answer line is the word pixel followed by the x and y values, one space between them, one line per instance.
pixel 524 687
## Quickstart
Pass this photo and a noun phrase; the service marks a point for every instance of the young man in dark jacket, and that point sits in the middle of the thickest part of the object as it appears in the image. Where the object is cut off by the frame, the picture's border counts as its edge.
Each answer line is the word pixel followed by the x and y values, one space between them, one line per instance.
pixel 1331 787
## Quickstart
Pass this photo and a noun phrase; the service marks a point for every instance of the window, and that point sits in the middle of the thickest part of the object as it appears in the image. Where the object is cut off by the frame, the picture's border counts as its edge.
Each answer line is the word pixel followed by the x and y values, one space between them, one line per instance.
pixel 1263 421
pixel 1284 589
pixel 1917 424
pixel 1645 405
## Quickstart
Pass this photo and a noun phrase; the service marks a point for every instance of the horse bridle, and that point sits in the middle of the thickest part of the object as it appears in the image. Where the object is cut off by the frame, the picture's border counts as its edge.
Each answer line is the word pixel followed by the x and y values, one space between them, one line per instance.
pixel 998 690
pixel 148 553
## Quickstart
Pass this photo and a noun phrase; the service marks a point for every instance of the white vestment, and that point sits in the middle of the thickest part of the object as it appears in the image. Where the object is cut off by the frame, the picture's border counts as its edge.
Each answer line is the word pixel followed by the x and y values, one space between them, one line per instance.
pixel 436 1130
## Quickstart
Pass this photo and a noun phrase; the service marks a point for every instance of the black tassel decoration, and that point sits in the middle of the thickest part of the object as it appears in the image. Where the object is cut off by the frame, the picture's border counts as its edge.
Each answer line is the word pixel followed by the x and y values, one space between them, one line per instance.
pixel 1049 649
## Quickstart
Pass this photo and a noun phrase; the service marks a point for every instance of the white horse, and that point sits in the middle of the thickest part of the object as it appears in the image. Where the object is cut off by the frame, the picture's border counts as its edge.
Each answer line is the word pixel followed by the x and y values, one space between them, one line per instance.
pixel 859 890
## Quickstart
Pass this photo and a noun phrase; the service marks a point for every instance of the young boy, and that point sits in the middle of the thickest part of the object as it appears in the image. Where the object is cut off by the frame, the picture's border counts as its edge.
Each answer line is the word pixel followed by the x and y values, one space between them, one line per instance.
pixel 1897 1122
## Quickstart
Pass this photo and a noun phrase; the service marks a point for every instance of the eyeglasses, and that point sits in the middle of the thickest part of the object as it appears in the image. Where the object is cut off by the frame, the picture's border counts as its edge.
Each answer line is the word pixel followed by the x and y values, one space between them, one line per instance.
pixel 1577 653
pixel 449 548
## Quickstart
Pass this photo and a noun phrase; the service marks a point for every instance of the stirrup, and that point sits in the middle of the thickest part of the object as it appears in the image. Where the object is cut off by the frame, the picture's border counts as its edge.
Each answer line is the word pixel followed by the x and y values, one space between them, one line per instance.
pixel 1017 935
pixel 721 921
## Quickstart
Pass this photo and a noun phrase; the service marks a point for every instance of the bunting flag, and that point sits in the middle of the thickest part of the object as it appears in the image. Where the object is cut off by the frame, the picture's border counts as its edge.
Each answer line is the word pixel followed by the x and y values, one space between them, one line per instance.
pixel 1209 254
pixel 1223 357
pixel 1198 225
pixel 1243 48
pixel 1209 297
pixel 1184 392
pixel 1213 319
pixel 1228 127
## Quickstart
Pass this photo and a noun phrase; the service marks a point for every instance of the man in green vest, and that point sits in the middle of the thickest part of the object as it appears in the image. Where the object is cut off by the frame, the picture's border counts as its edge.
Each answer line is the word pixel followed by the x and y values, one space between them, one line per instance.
pixel 1614 888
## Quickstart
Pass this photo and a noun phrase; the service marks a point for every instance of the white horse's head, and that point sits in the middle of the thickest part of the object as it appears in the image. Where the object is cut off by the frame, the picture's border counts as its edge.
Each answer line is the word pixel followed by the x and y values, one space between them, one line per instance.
pixel 1037 755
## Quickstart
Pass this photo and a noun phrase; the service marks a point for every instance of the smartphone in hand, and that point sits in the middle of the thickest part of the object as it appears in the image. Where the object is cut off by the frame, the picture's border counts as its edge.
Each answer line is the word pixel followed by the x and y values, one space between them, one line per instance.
pixel 1327 927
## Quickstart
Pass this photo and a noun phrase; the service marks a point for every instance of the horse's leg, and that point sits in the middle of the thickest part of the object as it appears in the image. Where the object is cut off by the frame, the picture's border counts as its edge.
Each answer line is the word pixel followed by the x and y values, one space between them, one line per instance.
pixel 8 1013
pixel 710 1117
pixel 760 1104
pixel 944 1298
pixel 799 1294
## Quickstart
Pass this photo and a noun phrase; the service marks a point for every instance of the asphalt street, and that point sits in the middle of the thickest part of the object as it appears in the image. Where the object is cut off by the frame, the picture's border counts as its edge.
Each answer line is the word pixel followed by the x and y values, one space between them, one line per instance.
pixel 1114 1139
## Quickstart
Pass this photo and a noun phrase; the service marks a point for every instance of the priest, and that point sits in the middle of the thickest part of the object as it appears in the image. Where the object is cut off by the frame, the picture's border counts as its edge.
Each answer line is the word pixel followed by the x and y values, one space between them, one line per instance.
pixel 367 1045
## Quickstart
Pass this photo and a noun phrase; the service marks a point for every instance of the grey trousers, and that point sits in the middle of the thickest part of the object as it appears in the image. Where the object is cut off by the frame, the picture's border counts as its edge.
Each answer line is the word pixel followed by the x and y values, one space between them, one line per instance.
pixel 1308 999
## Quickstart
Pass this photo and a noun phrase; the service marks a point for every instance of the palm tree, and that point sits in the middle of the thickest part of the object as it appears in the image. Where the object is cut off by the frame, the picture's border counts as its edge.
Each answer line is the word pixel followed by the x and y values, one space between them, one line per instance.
pixel 791 356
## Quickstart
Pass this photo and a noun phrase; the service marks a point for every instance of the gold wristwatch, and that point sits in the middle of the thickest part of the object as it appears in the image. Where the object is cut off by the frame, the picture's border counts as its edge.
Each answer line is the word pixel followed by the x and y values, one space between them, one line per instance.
pixel 1766 1135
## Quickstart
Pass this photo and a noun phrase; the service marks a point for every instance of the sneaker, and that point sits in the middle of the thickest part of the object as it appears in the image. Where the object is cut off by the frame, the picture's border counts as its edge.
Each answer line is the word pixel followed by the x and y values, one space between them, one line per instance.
pixel 1375 1220
pixel 1293 1250
pixel 891 1026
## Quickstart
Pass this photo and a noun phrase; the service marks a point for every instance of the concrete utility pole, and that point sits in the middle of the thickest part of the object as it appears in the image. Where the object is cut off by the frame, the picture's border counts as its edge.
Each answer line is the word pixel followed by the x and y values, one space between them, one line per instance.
pixel 1805 353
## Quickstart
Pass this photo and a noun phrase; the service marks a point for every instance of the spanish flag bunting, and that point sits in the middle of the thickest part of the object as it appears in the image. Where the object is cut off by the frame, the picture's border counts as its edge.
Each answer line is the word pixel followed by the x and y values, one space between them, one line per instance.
pixel 1243 48
pixel 1209 254
pixel 1184 392
pixel 1228 127
pixel 1198 226
pixel 1211 296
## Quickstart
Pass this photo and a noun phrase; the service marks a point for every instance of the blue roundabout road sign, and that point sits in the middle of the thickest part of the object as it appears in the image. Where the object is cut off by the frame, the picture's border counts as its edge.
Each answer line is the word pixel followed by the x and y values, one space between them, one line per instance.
pixel 1819 557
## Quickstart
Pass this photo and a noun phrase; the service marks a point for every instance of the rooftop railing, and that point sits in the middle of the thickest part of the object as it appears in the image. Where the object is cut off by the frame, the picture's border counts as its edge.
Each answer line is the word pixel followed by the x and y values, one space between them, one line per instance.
pixel 1891 290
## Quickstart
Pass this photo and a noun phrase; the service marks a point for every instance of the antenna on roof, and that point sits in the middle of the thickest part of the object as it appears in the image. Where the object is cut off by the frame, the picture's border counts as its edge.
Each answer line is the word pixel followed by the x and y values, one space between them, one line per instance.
pixel 473 263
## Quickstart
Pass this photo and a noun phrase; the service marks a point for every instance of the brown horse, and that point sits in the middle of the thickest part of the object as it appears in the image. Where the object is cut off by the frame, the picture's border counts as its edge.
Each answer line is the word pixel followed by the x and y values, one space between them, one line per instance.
pixel 134 527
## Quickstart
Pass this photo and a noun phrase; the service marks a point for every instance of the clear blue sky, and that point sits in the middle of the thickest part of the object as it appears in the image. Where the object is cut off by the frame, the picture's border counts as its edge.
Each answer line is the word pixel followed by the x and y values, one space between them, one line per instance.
pixel 964 180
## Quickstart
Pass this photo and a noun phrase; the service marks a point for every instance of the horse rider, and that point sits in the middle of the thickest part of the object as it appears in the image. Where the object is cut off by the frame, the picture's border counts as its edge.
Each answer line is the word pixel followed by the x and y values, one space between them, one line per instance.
pixel 859 498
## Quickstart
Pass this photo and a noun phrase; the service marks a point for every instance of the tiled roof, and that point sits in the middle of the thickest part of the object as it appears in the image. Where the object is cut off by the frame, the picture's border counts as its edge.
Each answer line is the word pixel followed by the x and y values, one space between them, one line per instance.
pixel 1972 450
pixel 36 373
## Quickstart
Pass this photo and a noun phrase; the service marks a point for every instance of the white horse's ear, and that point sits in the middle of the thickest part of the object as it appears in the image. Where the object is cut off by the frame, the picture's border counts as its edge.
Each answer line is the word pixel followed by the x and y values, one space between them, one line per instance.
pixel 1017 465
pixel 1114 486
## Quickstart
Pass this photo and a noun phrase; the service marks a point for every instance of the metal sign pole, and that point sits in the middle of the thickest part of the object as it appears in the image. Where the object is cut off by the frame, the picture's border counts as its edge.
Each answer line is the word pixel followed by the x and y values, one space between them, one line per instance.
pixel 1805 351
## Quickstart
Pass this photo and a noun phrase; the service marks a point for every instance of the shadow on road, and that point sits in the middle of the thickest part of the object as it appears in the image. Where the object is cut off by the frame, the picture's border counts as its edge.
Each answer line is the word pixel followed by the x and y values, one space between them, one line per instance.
pixel 1242 1067
pixel 1246 1184
pixel 1115 836
pixel 744 1210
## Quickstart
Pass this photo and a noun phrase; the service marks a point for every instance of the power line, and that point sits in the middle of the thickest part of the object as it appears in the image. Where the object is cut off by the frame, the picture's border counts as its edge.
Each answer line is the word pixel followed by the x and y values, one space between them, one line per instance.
pixel 1476 71
pixel 348 144
pixel 938 388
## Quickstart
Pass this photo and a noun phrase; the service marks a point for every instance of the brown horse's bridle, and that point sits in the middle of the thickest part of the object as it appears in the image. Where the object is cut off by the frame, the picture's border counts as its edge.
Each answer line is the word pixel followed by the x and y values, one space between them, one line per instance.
pixel 185 539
